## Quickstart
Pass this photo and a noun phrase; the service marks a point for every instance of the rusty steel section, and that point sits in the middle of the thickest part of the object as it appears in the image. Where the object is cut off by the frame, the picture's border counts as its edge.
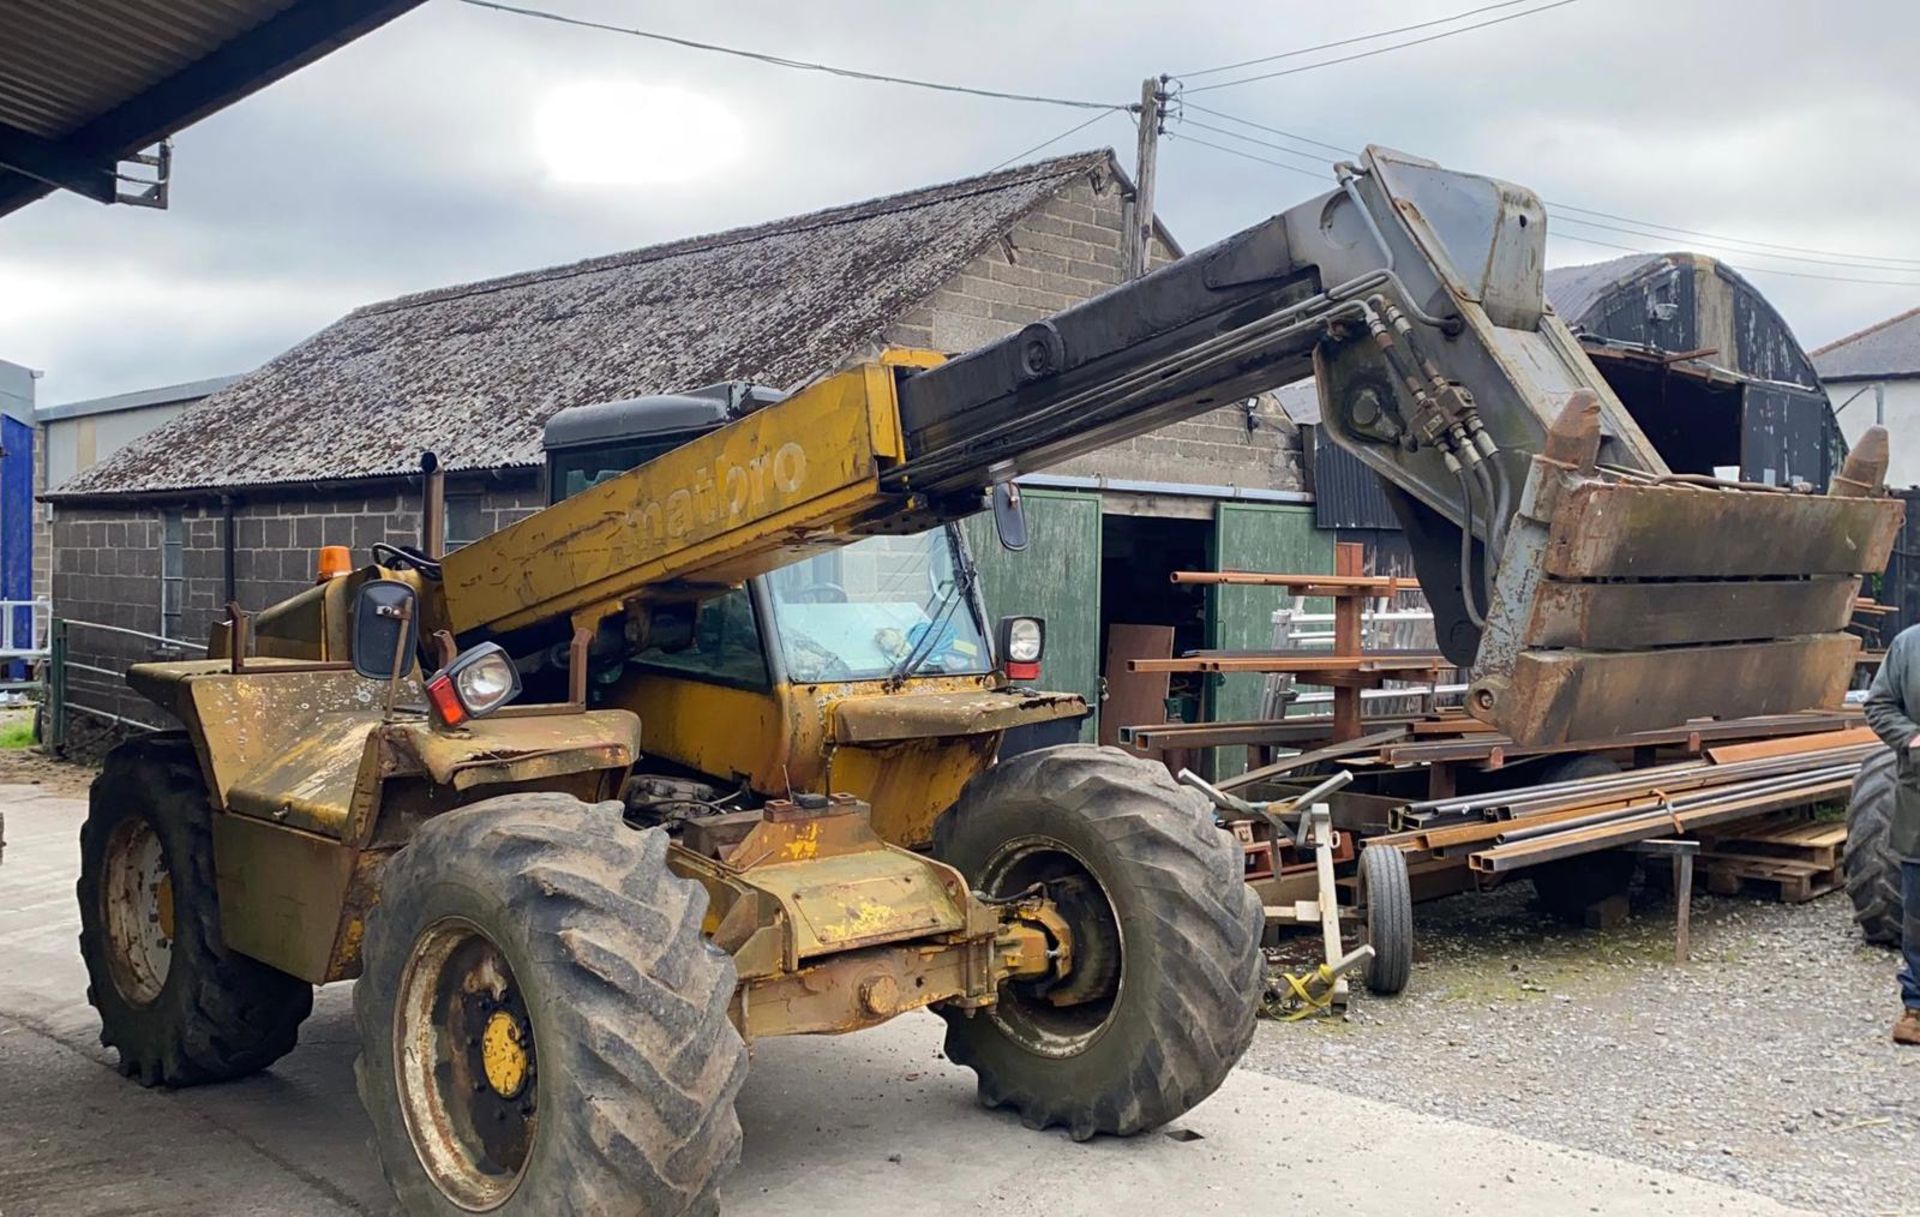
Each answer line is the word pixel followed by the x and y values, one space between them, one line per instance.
pixel 1637 530
pixel 1623 616
pixel 1574 695
pixel 1624 600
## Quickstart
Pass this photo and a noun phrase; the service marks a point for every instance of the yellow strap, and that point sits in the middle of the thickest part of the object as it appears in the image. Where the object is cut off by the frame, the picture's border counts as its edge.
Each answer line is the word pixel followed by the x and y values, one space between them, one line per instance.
pixel 1299 1001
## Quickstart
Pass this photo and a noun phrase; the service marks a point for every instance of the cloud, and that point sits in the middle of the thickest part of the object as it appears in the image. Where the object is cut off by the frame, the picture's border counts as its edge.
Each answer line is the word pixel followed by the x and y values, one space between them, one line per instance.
pixel 415 157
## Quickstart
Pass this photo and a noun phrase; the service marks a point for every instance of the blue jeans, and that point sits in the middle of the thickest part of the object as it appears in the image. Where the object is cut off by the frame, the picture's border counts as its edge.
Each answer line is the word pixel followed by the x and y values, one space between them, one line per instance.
pixel 1910 934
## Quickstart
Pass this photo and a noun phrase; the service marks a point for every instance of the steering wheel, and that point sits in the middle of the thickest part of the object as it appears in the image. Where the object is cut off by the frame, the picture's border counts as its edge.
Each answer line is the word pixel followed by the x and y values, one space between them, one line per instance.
pixel 820 593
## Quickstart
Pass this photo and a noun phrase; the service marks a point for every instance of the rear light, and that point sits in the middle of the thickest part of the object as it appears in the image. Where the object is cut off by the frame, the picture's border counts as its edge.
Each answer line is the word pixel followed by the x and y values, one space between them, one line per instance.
pixel 1023 643
pixel 474 685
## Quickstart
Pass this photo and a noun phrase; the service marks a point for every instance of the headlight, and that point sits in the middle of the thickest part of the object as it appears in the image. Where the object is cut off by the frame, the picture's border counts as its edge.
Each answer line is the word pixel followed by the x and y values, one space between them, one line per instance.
pixel 475 684
pixel 1023 640
pixel 1025 637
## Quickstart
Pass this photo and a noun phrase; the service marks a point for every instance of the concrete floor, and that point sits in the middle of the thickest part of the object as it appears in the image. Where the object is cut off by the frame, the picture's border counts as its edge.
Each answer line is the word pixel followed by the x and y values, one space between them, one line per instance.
pixel 872 1124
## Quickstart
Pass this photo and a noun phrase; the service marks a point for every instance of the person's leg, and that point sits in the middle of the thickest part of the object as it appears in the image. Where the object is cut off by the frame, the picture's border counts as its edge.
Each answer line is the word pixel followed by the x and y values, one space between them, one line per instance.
pixel 1910 934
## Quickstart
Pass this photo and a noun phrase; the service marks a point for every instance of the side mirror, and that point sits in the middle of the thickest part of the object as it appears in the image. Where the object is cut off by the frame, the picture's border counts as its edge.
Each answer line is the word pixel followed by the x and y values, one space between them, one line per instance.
pixel 386 631
pixel 1009 517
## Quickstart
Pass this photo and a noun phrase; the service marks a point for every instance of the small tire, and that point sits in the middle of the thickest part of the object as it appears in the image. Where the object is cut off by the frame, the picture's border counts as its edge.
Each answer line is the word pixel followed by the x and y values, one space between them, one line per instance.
pixel 1871 866
pixel 554 916
pixel 1170 964
pixel 1388 895
pixel 177 1005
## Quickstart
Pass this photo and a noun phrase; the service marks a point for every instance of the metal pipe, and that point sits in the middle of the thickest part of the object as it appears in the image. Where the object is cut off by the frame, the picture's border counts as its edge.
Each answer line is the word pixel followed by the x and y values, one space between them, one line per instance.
pixel 112 718
pixel 433 507
pixel 115 629
pixel 1535 797
pixel 227 562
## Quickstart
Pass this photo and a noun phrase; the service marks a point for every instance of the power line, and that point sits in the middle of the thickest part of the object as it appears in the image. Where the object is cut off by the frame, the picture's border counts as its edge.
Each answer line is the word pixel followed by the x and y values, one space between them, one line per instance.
pixel 1757 270
pixel 1247 122
pixel 1653 230
pixel 1327 63
pixel 1248 156
pixel 1023 155
pixel 1727 243
pixel 1328 46
pixel 1691 232
pixel 1194 122
pixel 799 64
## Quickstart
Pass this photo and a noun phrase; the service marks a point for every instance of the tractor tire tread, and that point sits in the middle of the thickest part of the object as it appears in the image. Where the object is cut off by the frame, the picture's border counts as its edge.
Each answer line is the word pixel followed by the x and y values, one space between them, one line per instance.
pixel 640 1114
pixel 1871 867
pixel 220 1015
pixel 1194 1010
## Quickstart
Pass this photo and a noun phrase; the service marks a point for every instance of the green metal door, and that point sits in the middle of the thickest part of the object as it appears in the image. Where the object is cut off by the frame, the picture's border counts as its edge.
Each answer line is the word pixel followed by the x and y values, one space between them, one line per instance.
pixel 1056 577
pixel 1258 537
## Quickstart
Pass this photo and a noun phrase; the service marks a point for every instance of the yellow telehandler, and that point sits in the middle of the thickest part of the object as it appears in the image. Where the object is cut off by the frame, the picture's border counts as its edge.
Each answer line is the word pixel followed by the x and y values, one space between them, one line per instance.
pixel 705 751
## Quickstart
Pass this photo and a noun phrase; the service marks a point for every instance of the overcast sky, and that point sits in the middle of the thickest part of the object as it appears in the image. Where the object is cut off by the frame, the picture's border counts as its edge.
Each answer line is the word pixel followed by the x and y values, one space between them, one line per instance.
pixel 459 143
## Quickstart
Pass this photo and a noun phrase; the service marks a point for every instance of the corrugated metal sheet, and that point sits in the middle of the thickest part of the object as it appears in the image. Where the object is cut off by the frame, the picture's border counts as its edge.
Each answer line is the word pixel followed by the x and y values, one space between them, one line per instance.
pixel 472 373
pixel 1784 436
pixel 65 63
pixel 1346 494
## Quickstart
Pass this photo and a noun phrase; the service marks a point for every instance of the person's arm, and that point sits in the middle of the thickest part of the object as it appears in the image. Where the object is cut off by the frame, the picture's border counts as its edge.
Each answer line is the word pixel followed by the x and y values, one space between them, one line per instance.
pixel 1887 712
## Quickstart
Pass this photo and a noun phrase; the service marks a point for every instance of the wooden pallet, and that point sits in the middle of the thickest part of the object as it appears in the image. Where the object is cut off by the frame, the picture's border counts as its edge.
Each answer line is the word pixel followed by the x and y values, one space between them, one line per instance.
pixel 1784 879
pixel 1792 837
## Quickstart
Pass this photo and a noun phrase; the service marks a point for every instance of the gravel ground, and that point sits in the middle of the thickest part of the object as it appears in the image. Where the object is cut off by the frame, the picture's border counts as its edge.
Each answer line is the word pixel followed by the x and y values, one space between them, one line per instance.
pixel 1765 1063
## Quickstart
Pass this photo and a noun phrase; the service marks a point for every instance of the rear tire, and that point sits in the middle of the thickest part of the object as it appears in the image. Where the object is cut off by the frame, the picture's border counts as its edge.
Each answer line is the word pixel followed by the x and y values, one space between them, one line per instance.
pixel 1872 868
pixel 177 1005
pixel 1167 941
pixel 1388 893
pixel 567 1049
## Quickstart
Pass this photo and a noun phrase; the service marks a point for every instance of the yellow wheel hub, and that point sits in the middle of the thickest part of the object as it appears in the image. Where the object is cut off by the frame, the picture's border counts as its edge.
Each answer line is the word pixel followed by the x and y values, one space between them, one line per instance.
pixel 163 906
pixel 503 1050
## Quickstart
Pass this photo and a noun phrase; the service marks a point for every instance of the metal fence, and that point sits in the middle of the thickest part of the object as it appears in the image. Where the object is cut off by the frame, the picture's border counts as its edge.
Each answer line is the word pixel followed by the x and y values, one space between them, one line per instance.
pixel 98 691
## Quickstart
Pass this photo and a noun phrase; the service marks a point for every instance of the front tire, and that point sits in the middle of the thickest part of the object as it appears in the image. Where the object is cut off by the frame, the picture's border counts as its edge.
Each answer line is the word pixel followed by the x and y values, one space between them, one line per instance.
pixel 1872 868
pixel 1168 966
pixel 543 1026
pixel 178 1006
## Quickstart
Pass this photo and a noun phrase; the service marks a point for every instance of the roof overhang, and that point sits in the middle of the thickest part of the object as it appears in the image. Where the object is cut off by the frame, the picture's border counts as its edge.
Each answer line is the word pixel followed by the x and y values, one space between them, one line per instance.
pixel 86 87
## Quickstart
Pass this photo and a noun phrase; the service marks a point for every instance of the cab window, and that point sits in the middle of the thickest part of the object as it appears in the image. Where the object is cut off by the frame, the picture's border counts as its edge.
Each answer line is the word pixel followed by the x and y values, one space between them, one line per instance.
pixel 719 641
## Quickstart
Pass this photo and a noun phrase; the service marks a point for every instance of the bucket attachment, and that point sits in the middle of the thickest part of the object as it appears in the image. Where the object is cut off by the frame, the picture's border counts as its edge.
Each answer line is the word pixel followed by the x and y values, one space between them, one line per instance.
pixel 1625 600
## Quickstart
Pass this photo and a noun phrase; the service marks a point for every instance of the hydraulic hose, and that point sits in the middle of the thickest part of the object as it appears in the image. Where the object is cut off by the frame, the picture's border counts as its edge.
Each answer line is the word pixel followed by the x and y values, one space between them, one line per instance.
pixel 1468 593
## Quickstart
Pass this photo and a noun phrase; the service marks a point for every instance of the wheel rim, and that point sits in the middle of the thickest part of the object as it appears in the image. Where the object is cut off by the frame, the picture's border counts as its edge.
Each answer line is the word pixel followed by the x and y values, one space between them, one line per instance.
pixel 138 911
pixel 465 1065
pixel 1030 1012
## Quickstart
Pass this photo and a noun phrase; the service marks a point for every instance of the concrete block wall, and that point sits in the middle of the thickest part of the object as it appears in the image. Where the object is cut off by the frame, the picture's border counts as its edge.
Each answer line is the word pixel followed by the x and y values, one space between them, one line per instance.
pixel 107 564
pixel 1069 250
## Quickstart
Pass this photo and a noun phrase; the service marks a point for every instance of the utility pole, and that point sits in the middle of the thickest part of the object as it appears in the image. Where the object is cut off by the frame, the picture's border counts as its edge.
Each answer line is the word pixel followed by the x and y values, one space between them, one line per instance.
pixel 1153 100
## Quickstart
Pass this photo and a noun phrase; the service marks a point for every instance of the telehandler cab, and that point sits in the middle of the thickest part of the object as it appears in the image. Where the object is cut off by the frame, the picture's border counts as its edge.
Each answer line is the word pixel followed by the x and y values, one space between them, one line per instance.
pixel 704 751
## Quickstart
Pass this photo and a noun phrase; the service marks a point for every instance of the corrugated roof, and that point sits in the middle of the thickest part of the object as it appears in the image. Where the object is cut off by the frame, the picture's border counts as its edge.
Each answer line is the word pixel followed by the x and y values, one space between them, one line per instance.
pixel 1573 290
pixel 1891 348
pixel 473 372
pixel 84 83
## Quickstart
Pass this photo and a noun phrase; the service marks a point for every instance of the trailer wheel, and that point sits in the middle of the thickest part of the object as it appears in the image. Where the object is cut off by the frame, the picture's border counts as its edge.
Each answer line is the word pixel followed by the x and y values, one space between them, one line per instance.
pixel 178 1006
pixel 1569 887
pixel 543 1027
pixel 1166 934
pixel 1388 895
pixel 1872 868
